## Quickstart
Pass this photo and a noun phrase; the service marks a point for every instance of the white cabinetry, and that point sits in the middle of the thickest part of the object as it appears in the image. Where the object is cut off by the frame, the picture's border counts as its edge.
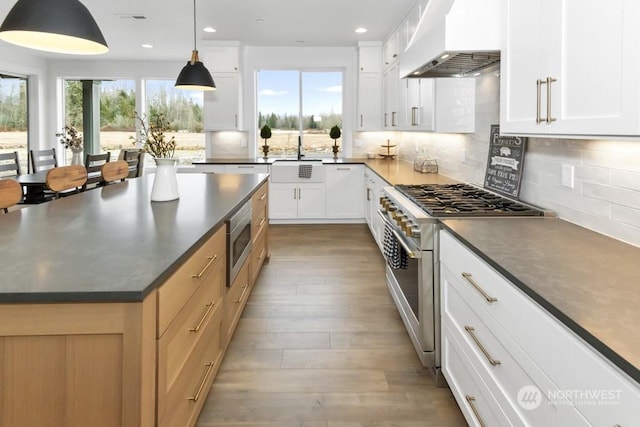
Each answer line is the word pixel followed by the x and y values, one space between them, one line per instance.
pixel 390 51
pixel 391 83
pixel 231 168
pixel 222 106
pixel 296 201
pixel 570 67
pixel 369 87
pixel 373 192
pixel 497 342
pixel 344 188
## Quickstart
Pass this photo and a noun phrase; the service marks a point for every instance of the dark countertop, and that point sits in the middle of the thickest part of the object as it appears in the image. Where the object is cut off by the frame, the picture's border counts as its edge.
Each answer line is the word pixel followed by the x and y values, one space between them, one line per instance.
pixel 112 243
pixel 586 280
pixel 392 171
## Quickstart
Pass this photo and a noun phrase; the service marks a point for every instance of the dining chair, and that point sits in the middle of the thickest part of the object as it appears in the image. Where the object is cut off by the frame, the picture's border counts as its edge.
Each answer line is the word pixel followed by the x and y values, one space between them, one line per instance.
pixel 10 165
pixel 134 158
pixel 66 180
pixel 10 193
pixel 93 164
pixel 43 159
pixel 114 171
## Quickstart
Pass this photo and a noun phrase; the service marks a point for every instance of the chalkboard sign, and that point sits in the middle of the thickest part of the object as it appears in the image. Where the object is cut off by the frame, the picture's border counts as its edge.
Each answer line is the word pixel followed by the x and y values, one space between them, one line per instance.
pixel 505 163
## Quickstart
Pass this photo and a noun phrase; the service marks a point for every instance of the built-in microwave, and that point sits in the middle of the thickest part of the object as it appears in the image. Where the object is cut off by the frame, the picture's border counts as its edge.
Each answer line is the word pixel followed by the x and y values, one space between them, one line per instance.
pixel 238 241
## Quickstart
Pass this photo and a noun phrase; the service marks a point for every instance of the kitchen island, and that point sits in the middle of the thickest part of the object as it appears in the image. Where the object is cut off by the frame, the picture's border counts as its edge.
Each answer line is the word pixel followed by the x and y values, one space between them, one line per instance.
pixel 109 303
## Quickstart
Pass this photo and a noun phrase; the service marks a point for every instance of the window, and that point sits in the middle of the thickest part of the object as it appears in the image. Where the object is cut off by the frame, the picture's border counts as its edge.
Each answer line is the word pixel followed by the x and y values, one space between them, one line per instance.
pixel 14 134
pixel 183 110
pixel 303 104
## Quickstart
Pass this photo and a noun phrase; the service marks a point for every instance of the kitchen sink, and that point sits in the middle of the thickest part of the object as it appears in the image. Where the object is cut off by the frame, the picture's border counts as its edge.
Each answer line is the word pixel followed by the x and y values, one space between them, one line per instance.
pixel 297 171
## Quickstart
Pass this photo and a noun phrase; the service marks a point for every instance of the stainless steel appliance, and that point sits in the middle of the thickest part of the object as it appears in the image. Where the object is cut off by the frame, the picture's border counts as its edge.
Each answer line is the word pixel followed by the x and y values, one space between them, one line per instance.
pixel 410 214
pixel 238 241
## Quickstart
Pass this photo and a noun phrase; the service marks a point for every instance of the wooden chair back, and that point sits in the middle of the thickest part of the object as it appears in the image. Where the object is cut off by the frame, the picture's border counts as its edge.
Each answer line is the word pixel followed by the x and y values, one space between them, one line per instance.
pixel 134 158
pixel 10 193
pixel 93 164
pixel 65 178
pixel 43 159
pixel 9 165
pixel 114 171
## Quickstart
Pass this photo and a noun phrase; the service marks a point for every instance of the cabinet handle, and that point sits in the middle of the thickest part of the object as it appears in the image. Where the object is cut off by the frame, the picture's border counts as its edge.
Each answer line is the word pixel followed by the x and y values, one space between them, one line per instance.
pixel 343 169
pixel 473 283
pixel 264 196
pixel 470 330
pixel 361 120
pixel 295 192
pixel 206 376
pixel 261 222
pixel 368 194
pixel 245 167
pixel 393 118
pixel 244 290
pixel 211 260
pixel 262 252
pixel 549 81
pixel 539 83
pixel 414 116
pixel 385 119
pixel 471 401
pixel 236 119
pixel 208 309
pixel 299 194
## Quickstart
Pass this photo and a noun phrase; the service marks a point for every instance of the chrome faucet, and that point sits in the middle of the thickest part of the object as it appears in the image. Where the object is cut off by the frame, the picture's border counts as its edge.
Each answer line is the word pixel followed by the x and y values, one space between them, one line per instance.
pixel 300 154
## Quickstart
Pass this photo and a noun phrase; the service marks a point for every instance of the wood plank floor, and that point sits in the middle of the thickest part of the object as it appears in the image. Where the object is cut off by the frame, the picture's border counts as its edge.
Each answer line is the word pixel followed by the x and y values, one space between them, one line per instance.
pixel 320 343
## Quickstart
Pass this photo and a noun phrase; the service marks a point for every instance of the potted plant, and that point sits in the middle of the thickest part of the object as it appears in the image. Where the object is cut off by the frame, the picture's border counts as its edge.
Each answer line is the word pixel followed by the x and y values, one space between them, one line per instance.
pixel 334 133
pixel 265 133
pixel 72 139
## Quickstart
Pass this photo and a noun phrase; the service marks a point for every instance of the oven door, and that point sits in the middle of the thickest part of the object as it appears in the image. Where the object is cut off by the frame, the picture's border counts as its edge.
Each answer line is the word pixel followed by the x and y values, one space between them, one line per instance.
pixel 238 241
pixel 412 291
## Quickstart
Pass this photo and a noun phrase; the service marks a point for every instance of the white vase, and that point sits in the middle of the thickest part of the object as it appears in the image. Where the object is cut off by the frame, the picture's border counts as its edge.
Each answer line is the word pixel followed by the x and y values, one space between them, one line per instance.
pixel 165 183
pixel 76 157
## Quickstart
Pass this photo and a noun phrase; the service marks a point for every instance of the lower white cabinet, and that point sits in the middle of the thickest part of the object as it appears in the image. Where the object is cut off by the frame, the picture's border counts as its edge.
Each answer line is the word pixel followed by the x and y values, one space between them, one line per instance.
pixel 373 192
pixel 296 201
pixel 344 187
pixel 235 168
pixel 520 365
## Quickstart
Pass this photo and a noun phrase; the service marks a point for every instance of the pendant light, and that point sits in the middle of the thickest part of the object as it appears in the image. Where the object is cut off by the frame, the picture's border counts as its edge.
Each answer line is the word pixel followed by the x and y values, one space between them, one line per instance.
pixel 61 26
pixel 195 75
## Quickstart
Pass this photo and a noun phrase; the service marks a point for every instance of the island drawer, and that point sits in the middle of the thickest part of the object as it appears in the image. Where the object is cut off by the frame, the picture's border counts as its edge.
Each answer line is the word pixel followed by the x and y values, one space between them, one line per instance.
pixel 185 333
pixel 184 400
pixel 260 212
pixel 184 282
pixel 234 302
pixel 258 255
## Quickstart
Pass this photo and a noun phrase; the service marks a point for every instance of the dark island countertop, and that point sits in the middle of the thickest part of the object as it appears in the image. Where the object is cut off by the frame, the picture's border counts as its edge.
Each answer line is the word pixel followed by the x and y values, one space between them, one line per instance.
pixel 586 280
pixel 112 243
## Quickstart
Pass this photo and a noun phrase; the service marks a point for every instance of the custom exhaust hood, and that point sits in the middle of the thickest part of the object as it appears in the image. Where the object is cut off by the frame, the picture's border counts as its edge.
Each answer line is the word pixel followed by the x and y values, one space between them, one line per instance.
pixel 454 38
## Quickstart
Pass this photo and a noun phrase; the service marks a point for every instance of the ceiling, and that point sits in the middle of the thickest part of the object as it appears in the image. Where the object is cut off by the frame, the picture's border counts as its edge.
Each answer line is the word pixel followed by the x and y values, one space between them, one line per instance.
pixel 169 24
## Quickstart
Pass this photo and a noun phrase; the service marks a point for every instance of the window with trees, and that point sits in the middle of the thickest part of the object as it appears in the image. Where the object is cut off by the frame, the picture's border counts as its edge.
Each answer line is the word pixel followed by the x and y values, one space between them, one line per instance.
pixel 305 104
pixel 14 132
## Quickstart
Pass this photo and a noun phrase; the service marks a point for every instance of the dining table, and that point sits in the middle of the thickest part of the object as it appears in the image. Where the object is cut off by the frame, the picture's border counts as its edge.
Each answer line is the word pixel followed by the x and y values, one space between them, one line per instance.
pixel 35 186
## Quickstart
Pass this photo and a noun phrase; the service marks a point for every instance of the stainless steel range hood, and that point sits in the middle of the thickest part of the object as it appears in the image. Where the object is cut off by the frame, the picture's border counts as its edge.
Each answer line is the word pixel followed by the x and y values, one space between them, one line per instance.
pixel 454 38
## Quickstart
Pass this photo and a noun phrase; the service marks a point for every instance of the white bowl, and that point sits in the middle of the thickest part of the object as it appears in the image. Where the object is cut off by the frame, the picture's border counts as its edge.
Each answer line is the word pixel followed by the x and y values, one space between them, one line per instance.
pixel 371 155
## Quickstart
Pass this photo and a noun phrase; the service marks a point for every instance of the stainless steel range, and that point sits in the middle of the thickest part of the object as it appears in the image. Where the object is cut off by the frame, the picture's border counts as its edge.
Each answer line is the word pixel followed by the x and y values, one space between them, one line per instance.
pixel 410 214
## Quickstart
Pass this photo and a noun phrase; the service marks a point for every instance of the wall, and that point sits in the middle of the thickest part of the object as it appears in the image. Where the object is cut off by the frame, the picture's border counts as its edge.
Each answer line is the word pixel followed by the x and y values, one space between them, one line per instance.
pixel 606 194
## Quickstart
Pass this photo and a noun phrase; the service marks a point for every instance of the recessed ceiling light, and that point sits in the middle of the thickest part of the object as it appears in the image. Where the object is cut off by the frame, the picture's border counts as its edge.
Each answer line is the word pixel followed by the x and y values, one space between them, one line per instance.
pixel 259 20
pixel 361 30
pixel 476 74
pixel 300 41
pixel 416 73
pixel 209 30
pixel 445 56
pixel 147 46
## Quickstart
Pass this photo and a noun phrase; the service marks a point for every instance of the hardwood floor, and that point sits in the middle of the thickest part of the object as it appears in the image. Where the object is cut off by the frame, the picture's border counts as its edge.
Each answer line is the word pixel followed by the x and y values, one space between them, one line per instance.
pixel 320 343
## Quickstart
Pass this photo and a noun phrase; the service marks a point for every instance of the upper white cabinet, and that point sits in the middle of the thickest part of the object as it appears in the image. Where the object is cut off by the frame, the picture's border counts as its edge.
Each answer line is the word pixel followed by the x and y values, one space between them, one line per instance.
pixel 344 188
pixel 222 106
pixel 369 87
pixel 390 51
pixel 570 67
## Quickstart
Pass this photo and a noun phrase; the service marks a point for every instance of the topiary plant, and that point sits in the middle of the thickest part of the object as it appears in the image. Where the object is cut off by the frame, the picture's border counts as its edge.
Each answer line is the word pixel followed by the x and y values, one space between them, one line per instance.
pixel 265 133
pixel 334 133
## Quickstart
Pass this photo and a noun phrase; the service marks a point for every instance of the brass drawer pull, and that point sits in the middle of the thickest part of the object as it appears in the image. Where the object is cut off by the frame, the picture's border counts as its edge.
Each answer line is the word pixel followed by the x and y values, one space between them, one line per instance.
pixel 470 330
pixel 262 253
pixel 262 222
pixel 244 290
pixel 264 196
pixel 473 283
pixel 211 260
pixel 207 310
pixel 471 401
pixel 206 376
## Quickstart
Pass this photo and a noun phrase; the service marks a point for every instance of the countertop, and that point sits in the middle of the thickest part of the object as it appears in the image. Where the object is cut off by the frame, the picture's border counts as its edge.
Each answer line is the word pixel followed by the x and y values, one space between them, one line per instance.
pixel 112 243
pixel 392 171
pixel 586 280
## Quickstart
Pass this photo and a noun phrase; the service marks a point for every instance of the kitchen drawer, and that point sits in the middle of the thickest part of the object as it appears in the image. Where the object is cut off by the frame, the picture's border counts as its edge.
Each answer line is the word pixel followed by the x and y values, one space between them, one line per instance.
pixel 258 255
pixel 176 291
pixel 260 212
pixel 234 301
pixel 477 404
pixel 246 169
pixel 185 333
pixel 185 398
pixel 490 349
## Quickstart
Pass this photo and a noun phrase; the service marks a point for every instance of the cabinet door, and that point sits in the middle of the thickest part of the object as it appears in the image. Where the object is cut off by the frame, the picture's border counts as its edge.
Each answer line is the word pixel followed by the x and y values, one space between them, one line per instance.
pixel 345 185
pixel 222 106
pixel 283 201
pixel 246 169
pixel 369 101
pixel 391 82
pixel 426 112
pixel 390 51
pixel 370 59
pixel 311 201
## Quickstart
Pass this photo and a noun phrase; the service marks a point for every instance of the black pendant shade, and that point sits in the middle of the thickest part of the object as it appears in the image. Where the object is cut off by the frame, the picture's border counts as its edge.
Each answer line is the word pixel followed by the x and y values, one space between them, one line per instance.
pixel 61 26
pixel 195 75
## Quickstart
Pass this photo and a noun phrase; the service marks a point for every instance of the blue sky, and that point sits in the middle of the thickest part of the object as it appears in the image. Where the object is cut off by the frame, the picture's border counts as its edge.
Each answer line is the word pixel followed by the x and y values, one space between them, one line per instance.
pixel 278 92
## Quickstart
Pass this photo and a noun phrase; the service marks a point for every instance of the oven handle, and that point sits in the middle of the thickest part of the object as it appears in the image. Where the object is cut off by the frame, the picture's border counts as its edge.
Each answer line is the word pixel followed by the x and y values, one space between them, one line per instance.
pixel 412 251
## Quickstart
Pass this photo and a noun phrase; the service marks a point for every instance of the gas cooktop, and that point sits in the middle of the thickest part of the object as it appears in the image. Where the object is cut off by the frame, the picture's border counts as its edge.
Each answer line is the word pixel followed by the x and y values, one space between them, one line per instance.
pixel 461 200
